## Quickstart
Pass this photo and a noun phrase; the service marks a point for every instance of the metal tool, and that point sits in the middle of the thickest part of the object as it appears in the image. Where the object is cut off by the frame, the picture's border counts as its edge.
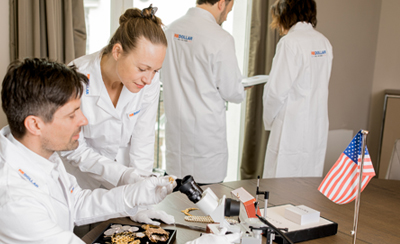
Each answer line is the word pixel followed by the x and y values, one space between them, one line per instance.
pixel 192 227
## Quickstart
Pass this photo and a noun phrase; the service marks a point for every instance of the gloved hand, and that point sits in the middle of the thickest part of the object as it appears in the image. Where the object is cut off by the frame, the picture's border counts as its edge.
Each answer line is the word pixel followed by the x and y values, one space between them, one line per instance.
pixel 145 216
pixel 213 238
pixel 149 191
pixel 131 176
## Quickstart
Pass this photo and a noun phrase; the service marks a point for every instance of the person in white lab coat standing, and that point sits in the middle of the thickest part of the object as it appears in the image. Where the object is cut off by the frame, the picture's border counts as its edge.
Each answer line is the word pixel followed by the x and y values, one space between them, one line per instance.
pixel 39 201
pixel 120 103
pixel 296 96
pixel 200 74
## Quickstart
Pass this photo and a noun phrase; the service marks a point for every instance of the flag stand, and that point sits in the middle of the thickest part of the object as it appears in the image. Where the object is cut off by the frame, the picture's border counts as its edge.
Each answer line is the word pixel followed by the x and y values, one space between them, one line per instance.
pixel 357 206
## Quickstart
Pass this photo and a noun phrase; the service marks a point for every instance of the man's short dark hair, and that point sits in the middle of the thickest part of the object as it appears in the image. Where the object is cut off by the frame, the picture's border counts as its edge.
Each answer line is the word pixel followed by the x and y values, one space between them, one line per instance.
pixel 38 87
pixel 212 2
pixel 286 13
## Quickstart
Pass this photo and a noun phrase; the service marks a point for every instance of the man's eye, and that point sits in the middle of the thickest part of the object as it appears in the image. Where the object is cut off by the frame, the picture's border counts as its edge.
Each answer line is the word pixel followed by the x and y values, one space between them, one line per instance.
pixel 143 70
pixel 72 116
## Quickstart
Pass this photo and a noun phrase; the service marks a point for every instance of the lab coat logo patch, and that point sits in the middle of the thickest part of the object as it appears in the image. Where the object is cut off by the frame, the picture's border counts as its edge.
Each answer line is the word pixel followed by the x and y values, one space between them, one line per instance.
pixel 183 38
pixel 87 85
pixel 317 54
pixel 133 114
pixel 28 178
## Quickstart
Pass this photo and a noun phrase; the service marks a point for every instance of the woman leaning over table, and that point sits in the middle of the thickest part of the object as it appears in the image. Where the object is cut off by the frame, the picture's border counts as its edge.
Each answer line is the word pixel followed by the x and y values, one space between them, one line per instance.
pixel 120 103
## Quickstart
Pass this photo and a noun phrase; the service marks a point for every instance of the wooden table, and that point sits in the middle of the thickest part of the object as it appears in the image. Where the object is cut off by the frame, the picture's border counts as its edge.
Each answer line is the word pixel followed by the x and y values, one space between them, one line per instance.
pixel 379 215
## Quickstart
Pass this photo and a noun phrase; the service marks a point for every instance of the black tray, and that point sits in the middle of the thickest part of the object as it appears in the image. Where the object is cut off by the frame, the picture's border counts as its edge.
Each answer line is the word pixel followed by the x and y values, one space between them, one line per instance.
pixel 307 234
pixel 101 240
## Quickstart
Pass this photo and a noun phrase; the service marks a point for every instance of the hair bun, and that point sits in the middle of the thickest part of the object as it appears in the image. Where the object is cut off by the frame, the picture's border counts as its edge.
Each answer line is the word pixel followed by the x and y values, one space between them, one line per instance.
pixel 130 13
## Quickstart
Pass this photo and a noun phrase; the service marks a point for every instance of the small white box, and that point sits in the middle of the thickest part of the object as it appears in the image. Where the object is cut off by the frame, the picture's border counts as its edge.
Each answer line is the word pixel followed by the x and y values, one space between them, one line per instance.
pixel 302 215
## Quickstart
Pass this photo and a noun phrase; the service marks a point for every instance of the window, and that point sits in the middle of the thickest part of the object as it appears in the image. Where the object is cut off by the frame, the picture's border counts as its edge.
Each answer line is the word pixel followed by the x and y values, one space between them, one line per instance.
pixel 97 17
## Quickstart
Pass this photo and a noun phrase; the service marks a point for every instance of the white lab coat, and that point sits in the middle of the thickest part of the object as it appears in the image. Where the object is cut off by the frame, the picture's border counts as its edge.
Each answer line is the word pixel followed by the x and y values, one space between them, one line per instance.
pixel 115 138
pixel 200 73
pixel 296 104
pixel 40 202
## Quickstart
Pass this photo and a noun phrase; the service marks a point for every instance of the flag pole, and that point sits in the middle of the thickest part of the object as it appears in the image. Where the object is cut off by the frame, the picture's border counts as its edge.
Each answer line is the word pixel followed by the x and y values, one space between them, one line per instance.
pixel 357 206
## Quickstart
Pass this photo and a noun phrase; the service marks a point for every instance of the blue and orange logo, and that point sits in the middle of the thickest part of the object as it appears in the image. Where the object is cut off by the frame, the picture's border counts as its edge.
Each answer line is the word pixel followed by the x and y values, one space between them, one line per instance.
pixel 184 38
pixel 133 114
pixel 318 53
pixel 87 86
pixel 28 178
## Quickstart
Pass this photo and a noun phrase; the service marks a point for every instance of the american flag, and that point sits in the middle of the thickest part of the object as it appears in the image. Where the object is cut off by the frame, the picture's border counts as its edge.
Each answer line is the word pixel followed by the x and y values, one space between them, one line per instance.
pixel 341 183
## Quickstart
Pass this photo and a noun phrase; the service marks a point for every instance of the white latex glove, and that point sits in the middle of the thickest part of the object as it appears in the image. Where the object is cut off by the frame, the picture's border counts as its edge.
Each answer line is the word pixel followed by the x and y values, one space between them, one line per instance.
pixel 145 217
pixel 213 238
pixel 131 176
pixel 149 191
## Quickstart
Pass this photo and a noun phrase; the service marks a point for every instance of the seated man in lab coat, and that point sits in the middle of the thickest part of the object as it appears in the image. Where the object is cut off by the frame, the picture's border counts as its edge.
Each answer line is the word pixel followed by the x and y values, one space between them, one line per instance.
pixel 39 201
pixel 200 74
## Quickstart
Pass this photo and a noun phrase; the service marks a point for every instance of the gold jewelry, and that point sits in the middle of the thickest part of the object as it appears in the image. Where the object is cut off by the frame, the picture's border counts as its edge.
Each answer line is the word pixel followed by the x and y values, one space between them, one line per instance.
pixel 207 219
pixel 186 211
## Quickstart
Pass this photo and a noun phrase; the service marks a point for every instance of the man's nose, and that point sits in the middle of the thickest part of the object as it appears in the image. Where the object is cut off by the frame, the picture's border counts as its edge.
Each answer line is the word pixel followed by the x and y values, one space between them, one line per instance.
pixel 83 120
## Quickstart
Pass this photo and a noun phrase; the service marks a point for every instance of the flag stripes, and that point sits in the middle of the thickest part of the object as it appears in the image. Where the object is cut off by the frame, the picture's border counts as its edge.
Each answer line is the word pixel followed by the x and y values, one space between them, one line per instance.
pixel 341 183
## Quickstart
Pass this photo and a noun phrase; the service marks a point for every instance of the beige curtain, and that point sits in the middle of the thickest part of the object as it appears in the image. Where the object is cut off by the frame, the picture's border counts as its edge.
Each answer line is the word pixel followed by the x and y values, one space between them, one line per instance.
pixel 53 29
pixel 262 50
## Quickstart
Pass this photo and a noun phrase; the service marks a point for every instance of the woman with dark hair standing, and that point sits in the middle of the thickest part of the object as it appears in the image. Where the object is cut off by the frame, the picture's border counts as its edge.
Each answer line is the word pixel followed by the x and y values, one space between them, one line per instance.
pixel 120 103
pixel 296 96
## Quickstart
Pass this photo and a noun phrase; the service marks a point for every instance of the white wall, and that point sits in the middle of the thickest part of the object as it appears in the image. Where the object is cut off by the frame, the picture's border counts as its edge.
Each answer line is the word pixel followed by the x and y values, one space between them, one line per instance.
pixel 5 51
pixel 352 28
pixel 365 36
pixel 387 69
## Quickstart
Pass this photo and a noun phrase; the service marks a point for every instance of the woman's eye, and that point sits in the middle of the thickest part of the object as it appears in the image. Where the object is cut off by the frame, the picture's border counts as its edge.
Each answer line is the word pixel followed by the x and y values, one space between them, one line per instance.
pixel 143 70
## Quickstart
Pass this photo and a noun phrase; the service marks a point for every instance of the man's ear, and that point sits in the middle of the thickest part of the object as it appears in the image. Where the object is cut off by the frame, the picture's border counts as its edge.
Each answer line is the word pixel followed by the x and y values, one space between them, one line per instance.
pixel 33 125
pixel 117 50
pixel 221 5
